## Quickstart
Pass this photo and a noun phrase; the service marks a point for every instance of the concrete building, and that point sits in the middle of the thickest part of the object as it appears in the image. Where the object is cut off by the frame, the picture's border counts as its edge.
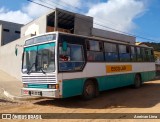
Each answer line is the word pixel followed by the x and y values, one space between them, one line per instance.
pixel 59 20
pixel 9 32
pixel 65 21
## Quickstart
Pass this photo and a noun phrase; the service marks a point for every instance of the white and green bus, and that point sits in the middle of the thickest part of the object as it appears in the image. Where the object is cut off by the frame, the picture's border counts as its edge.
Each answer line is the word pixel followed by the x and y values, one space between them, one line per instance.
pixel 61 65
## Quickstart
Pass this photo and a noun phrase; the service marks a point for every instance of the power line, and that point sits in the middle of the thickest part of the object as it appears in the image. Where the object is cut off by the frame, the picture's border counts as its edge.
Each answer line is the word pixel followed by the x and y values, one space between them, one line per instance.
pixel 129 34
pixel 79 9
pixel 66 4
pixel 109 22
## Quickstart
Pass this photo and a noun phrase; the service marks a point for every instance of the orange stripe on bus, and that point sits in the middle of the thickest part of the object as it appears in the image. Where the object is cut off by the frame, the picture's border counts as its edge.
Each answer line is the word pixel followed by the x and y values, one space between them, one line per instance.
pixel 118 68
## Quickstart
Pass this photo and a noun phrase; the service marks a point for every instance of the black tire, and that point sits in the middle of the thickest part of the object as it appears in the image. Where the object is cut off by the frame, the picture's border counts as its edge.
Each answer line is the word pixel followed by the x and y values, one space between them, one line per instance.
pixel 90 90
pixel 137 81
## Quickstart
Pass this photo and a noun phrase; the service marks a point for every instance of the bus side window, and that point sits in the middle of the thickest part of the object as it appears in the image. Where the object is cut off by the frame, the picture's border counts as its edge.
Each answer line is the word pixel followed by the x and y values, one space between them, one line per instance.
pixel 143 54
pixel 111 53
pixel 94 50
pixel 149 55
pixel 133 54
pixel 124 52
pixel 72 59
pixel 139 56
pixel 64 55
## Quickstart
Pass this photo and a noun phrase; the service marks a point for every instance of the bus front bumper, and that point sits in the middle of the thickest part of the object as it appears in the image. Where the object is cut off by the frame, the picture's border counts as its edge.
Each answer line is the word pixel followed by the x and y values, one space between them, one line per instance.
pixel 52 93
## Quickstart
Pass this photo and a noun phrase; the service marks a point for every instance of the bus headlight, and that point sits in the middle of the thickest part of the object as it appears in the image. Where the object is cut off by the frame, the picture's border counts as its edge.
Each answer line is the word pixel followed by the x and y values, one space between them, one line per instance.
pixel 25 85
pixel 53 86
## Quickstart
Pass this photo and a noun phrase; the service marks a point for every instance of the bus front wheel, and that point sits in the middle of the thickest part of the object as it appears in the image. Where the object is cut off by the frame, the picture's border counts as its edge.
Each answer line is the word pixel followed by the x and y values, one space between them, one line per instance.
pixel 137 81
pixel 89 90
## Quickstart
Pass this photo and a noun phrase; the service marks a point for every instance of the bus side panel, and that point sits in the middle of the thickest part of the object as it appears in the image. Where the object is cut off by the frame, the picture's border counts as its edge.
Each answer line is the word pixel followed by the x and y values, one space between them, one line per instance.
pixel 115 81
pixel 72 87
pixel 146 76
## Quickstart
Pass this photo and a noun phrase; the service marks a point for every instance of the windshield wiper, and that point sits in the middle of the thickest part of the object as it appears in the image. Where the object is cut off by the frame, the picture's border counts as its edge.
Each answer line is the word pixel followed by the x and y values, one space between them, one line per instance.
pixel 41 68
pixel 29 71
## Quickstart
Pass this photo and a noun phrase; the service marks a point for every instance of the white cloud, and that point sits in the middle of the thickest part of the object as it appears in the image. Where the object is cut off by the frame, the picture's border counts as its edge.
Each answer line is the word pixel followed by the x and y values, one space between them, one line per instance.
pixel 75 3
pixel 31 10
pixel 117 14
pixel 34 10
pixel 14 16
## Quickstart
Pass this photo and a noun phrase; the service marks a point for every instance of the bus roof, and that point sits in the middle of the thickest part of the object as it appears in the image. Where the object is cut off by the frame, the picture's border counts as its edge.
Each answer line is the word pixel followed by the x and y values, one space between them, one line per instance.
pixel 93 37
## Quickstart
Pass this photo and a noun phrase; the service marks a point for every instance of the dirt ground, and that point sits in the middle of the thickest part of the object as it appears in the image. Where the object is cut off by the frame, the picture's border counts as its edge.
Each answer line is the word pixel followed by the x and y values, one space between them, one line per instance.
pixel 122 100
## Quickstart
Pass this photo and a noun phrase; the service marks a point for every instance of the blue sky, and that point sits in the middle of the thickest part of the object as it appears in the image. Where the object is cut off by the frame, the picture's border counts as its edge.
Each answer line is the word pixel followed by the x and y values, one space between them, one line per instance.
pixel 139 17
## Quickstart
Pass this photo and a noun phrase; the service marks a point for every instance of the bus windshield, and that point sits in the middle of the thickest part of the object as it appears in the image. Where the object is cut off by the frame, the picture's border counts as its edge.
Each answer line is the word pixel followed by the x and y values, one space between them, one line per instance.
pixel 39 58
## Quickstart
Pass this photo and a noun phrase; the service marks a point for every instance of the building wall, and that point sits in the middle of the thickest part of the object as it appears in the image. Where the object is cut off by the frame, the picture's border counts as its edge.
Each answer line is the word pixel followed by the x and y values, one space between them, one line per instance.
pixel 9 32
pixel 113 35
pixel 9 62
pixel 83 25
pixel 37 26
pixel 0 34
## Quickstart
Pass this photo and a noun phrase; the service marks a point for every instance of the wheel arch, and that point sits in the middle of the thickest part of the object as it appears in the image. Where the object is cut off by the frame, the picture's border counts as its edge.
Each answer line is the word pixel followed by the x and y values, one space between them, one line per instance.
pixel 96 85
pixel 94 80
pixel 140 75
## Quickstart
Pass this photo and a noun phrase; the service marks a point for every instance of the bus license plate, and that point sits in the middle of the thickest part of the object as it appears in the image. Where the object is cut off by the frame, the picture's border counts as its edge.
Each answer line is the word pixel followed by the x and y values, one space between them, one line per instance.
pixel 36 93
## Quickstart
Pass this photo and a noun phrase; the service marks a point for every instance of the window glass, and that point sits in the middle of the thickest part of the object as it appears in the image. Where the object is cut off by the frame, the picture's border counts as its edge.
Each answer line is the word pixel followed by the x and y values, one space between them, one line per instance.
pixel 149 55
pixel 40 39
pixel 124 53
pixel 94 52
pixel 109 47
pixel 143 53
pixel 111 52
pixel 133 50
pixel 76 54
pixel 122 49
pixel 139 56
pixel 95 56
pixel 94 45
pixel 40 58
pixel 138 51
pixel 133 54
pixel 111 56
pixel 72 59
pixel 46 58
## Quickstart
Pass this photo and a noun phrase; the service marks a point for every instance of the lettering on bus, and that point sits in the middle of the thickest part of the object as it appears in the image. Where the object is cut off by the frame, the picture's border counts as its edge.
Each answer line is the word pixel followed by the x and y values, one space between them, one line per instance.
pixel 118 68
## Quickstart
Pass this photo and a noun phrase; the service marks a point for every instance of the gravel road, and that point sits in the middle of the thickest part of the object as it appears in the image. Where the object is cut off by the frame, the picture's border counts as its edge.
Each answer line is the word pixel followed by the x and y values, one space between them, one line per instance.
pixel 122 100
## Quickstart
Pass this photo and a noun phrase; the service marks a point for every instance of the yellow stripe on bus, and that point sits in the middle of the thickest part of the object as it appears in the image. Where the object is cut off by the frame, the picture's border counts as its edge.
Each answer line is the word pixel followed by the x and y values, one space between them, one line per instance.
pixel 118 68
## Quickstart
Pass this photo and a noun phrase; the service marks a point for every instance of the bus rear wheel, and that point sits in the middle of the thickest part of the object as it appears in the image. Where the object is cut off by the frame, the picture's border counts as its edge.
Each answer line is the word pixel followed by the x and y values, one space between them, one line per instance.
pixel 89 90
pixel 137 81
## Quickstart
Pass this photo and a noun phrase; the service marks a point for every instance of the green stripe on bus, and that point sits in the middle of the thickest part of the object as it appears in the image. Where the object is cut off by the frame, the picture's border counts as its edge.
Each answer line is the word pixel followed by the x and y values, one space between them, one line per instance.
pixel 74 87
pixel 43 46
pixel 43 86
pixel 33 48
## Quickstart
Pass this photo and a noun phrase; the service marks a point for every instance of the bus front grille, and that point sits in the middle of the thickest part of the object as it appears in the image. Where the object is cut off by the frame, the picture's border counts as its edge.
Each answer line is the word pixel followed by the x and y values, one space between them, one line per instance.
pixel 51 79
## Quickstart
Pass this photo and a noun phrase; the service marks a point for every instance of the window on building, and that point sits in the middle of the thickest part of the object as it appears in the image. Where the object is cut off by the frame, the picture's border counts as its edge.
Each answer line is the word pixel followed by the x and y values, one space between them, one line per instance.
pixel 124 53
pixel 111 53
pixel 18 32
pixel 95 51
pixel 6 30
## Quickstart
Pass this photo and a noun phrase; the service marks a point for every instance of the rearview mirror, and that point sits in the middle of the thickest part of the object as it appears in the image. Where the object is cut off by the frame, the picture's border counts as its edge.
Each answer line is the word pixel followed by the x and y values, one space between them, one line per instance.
pixel 16 50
